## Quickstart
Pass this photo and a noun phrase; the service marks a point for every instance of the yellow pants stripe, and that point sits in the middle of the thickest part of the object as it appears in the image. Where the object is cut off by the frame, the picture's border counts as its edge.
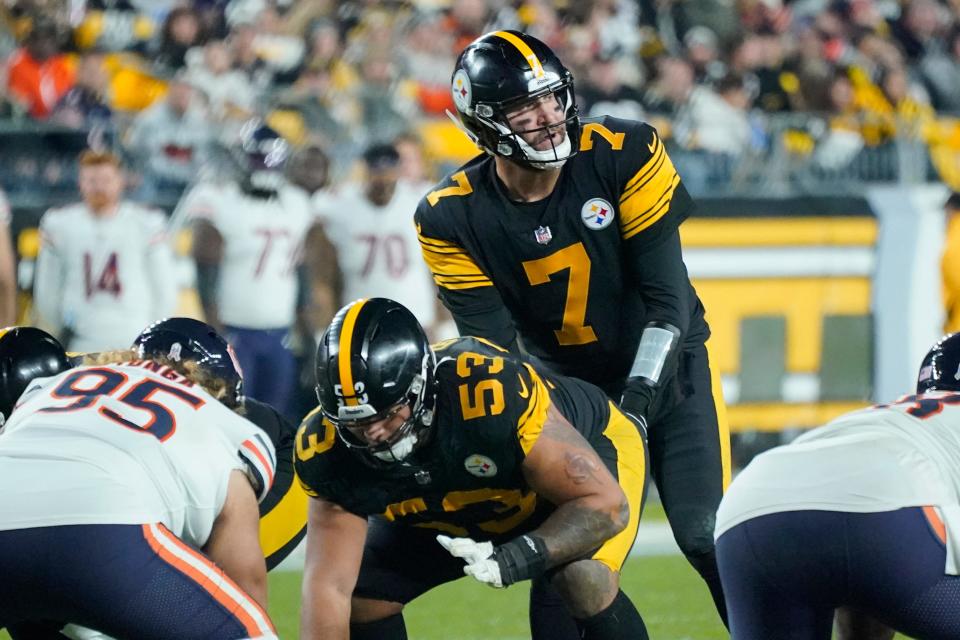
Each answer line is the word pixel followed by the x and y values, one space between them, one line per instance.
pixel 723 424
pixel 632 476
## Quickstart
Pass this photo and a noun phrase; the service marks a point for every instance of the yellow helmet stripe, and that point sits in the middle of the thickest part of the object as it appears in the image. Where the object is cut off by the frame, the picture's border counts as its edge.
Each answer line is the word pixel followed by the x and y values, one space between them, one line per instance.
pixel 343 357
pixel 525 51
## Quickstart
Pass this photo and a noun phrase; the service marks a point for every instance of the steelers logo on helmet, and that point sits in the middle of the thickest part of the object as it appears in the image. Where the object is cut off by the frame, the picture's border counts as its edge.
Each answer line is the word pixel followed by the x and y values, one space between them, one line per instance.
pixel 461 90
pixel 597 214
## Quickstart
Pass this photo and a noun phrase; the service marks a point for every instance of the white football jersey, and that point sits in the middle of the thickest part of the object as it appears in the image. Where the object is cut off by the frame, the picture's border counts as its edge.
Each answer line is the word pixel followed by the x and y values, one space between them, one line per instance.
pixel 377 248
pixel 104 279
pixel 263 239
pixel 904 454
pixel 130 443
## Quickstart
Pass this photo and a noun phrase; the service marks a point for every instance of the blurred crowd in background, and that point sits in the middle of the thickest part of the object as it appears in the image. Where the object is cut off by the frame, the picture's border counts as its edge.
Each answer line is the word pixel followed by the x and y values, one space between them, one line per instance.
pixel 740 89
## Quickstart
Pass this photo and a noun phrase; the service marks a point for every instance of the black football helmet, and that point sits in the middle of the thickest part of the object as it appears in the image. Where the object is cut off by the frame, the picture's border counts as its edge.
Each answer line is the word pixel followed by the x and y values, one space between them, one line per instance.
pixel 500 72
pixel 189 339
pixel 373 359
pixel 27 353
pixel 262 156
pixel 940 369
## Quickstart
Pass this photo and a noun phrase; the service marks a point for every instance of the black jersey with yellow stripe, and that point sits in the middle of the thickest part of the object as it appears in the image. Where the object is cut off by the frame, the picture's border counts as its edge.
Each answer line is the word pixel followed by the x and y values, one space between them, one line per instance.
pixel 283 512
pixel 560 266
pixel 467 479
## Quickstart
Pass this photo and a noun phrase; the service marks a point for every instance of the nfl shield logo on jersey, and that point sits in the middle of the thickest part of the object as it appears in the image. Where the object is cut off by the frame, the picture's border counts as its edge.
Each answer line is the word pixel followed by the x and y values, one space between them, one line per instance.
pixel 480 466
pixel 543 235
pixel 597 214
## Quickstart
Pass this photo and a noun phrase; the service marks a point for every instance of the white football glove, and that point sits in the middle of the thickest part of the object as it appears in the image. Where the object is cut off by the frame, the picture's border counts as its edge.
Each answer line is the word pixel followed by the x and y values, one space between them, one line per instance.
pixel 477 555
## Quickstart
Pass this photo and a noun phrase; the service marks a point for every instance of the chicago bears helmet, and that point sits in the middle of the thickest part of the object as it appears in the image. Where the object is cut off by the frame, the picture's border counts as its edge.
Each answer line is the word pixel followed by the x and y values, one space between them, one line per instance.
pixel 189 339
pixel 940 369
pixel 27 353
pixel 501 72
pixel 262 156
pixel 372 360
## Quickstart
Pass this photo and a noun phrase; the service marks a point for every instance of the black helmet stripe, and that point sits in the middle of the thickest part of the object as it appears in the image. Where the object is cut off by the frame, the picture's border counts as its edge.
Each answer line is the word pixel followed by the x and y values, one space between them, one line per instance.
pixel 344 361
pixel 535 65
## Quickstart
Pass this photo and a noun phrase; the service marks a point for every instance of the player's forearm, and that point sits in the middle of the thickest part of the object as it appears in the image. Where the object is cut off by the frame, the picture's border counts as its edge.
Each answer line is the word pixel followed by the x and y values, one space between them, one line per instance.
pixel 324 612
pixel 582 524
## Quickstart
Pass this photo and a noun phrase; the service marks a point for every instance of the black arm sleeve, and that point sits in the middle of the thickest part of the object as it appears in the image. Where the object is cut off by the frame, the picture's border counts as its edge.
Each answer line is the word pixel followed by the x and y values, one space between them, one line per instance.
pixel 480 312
pixel 661 277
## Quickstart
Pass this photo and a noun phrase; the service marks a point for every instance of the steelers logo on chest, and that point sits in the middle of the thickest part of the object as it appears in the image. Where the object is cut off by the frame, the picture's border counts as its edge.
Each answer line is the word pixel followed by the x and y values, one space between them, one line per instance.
pixel 597 214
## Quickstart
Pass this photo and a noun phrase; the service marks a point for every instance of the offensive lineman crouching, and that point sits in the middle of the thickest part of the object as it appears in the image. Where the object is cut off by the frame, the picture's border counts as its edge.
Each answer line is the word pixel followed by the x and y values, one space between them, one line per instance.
pixel 525 477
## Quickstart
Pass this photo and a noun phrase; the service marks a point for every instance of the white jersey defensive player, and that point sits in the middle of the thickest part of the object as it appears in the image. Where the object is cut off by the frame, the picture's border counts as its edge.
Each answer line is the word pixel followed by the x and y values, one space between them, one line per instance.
pixel 887 457
pixel 101 279
pixel 125 444
pixel 262 244
pixel 378 250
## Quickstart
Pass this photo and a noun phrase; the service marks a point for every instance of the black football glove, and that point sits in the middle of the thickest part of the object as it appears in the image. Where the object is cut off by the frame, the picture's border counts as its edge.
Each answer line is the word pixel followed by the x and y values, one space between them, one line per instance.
pixel 637 399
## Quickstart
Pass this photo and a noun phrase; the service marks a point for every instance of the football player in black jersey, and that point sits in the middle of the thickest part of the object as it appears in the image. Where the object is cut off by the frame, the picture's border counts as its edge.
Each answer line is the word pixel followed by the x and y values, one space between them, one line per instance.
pixel 564 234
pixel 522 475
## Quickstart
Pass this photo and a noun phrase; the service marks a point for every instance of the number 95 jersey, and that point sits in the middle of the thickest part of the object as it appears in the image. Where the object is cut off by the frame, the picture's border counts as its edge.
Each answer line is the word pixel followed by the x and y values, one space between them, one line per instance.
pixel 560 265
pixel 130 443
pixel 466 480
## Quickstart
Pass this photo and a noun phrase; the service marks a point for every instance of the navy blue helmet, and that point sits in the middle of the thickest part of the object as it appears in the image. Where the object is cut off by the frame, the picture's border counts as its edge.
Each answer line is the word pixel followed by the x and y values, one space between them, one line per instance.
pixel 262 155
pixel 27 353
pixel 502 71
pixel 189 339
pixel 940 369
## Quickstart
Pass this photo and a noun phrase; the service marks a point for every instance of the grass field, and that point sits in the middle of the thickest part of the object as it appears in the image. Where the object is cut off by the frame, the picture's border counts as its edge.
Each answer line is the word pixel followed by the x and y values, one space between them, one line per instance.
pixel 671 597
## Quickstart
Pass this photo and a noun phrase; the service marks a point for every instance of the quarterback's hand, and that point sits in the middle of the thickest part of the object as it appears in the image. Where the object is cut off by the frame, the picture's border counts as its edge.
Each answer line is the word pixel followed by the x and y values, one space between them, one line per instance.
pixel 478 556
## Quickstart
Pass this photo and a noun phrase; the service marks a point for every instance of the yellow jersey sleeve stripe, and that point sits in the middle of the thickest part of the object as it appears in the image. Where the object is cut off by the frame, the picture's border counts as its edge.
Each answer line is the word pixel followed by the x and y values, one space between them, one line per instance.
pixel 655 154
pixel 435 249
pixel 453 268
pixel 435 243
pixel 530 424
pixel 637 202
pixel 285 521
pixel 665 196
pixel 659 210
pixel 535 65
pixel 343 354
pixel 643 177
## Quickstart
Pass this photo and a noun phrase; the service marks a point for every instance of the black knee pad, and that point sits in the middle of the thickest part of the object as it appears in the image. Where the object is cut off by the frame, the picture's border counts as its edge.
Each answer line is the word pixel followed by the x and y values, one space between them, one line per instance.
pixel 619 621
pixel 391 628
pixel 549 617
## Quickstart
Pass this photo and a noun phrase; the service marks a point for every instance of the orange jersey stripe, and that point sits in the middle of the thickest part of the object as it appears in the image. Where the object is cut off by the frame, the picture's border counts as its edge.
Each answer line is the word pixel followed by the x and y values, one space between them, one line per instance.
pixel 264 461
